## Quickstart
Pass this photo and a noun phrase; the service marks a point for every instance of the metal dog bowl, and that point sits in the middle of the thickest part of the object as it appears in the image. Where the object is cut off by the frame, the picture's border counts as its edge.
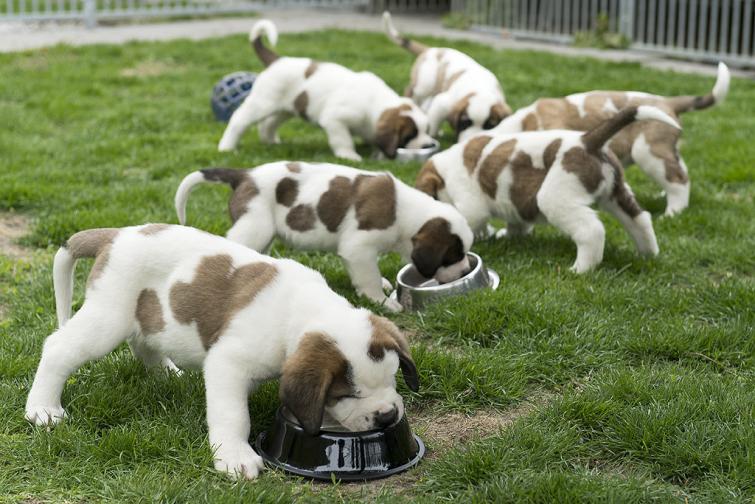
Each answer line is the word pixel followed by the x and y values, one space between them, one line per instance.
pixel 345 455
pixel 406 155
pixel 414 291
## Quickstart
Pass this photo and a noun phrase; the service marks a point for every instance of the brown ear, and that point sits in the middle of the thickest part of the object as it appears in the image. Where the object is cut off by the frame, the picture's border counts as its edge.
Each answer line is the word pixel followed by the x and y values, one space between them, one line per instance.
pixel 307 377
pixel 429 180
pixel 394 130
pixel 458 117
pixel 386 336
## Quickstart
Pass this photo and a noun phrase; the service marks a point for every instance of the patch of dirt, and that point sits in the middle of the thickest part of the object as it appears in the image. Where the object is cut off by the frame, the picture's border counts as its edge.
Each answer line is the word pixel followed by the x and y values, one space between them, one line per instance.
pixel 13 226
pixel 150 68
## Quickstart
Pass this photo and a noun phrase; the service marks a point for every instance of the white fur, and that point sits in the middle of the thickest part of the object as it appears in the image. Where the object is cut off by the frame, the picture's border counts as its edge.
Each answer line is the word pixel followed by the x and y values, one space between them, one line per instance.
pixel 648 112
pixel 476 79
pixel 359 249
pixel 264 27
pixel 252 349
pixel 343 102
pixel 562 198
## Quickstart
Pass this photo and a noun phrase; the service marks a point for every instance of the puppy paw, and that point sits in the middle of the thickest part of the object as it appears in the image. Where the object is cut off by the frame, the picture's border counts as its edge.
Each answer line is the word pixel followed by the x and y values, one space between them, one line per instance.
pixel 239 461
pixel 392 305
pixel 387 286
pixel 45 415
pixel 225 146
pixel 350 155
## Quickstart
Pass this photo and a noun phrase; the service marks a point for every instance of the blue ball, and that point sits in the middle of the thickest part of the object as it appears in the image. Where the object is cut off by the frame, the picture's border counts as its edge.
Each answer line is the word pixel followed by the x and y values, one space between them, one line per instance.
pixel 229 92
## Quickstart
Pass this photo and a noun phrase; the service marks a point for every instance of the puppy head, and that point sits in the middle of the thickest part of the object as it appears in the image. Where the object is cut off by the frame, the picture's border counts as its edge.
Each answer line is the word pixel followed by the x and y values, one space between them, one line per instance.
pixel 402 126
pixel 476 112
pixel 439 248
pixel 354 382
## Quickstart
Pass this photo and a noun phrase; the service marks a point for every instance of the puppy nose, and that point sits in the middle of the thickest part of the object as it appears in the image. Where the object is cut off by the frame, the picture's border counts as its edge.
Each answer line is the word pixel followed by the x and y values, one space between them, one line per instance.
pixel 429 145
pixel 386 418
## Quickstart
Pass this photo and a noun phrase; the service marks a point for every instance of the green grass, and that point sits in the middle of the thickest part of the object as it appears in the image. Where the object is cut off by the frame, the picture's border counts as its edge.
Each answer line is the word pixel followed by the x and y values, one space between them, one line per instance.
pixel 650 361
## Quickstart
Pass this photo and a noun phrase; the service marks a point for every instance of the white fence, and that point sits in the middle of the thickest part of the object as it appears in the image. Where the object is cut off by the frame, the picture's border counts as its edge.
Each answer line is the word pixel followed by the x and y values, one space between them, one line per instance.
pixel 709 30
pixel 90 11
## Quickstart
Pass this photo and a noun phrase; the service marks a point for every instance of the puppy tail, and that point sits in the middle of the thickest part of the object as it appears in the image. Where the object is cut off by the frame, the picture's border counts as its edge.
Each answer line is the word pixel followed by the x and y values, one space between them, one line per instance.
pixel 89 243
pixel 219 175
pixel 600 134
pixel 265 54
pixel 682 104
pixel 410 45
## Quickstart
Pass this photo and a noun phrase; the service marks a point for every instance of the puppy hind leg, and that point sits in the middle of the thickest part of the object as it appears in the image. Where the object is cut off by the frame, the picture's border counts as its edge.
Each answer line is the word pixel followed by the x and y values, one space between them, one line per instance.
pixel 227 390
pixel 636 221
pixel 91 334
pixel 255 229
pixel 250 112
pixel 268 127
pixel 662 163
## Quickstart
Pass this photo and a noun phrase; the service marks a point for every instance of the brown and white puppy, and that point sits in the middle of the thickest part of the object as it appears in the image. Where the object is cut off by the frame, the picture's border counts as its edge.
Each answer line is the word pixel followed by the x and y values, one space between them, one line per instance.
pixel 551 175
pixel 356 213
pixel 451 86
pixel 653 145
pixel 183 297
pixel 345 103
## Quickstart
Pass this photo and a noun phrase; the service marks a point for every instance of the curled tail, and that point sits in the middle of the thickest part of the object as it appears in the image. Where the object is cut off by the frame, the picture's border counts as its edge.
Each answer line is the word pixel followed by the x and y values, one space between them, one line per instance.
pixel 717 95
pixel 600 134
pixel 265 54
pixel 410 45
pixel 233 178
pixel 89 243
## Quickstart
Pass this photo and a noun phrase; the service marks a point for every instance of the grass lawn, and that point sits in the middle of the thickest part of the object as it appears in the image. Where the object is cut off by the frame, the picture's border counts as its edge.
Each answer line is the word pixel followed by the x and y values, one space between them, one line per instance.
pixel 632 383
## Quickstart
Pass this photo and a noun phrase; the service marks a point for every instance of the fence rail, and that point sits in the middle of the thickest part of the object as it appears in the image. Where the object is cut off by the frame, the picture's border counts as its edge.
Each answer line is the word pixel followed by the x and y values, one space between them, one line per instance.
pixel 709 30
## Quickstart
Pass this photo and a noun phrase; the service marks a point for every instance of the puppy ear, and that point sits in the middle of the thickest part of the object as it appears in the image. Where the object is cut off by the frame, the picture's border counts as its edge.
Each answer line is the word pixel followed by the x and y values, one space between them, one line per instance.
pixel 307 377
pixel 458 116
pixel 429 180
pixel 386 335
pixel 394 129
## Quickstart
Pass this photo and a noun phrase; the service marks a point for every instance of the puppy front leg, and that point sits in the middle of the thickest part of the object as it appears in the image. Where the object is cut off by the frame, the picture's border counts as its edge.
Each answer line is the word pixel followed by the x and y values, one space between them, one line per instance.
pixel 366 279
pixel 439 109
pixel 227 385
pixel 250 112
pixel 340 140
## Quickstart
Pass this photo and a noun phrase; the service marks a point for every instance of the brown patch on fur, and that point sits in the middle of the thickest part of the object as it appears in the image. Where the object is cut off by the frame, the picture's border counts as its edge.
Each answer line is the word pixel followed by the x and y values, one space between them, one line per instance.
pixel 93 243
pixel 394 130
pixel 459 112
pixel 301 218
pixel 429 180
pixel 492 166
pixel 623 196
pixel 152 229
pixel 526 181
pixel 301 103
pixel 588 168
pixel 242 195
pixel 266 55
pixel 415 74
pixel 440 78
pixel 387 336
pixel 294 167
pixel 530 123
pixel 286 191
pixel 149 312
pixel 473 151
pixel 315 374
pixel 312 68
pixel 549 155
pixel 434 245
pixel 335 202
pixel 453 78
pixel 375 201
pixel 217 293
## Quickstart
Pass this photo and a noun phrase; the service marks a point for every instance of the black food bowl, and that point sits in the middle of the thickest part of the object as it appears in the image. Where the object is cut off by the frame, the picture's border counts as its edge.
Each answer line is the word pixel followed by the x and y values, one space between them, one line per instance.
pixel 343 455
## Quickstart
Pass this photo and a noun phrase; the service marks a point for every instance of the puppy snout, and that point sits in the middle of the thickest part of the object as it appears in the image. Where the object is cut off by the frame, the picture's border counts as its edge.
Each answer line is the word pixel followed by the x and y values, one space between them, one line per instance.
pixel 386 418
pixel 429 145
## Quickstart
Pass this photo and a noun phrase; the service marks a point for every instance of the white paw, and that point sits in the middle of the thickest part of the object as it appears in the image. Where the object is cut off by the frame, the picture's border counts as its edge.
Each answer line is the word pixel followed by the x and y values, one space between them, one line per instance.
pixel 239 461
pixel 350 155
pixel 225 146
pixel 670 211
pixel 170 367
pixel 45 415
pixel 392 305
pixel 387 286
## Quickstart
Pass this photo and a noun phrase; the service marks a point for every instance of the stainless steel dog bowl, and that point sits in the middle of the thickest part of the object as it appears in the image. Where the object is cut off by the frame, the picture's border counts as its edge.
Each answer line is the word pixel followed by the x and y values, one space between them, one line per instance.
pixel 339 454
pixel 414 291
pixel 417 154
